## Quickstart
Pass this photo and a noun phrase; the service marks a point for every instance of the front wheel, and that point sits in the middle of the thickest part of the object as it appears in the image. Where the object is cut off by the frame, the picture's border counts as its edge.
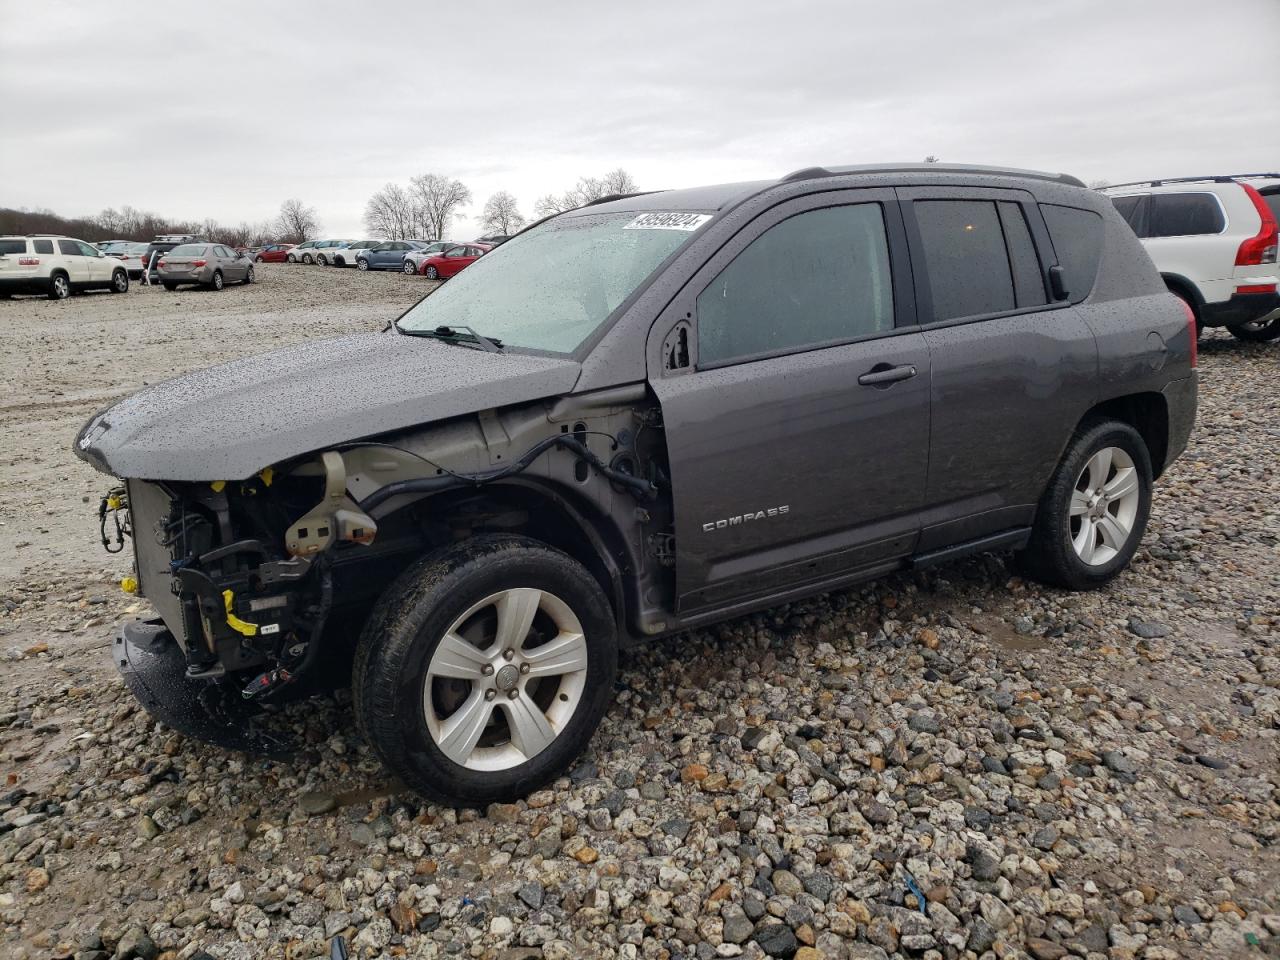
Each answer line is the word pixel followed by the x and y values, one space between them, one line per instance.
pixel 1092 516
pixel 1257 331
pixel 485 669
pixel 249 277
pixel 409 269
pixel 432 273
pixel 291 258
pixel 120 282
pixel 362 264
pixel 322 260
pixel 306 258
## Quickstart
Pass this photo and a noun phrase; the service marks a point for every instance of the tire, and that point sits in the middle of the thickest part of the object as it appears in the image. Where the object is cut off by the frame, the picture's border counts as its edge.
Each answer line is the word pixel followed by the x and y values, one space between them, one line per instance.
pixel 321 260
pixel 409 269
pixel 290 258
pixel 1064 552
pixel 217 282
pixel 170 286
pixel 248 277
pixel 1190 304
pixel 456 592
pixel 119 282
pixel 306 258
pixel 362 263
pixel 431 273
pixel 1258 331
pixel 339 262
pixel 59 286
pixel 258 259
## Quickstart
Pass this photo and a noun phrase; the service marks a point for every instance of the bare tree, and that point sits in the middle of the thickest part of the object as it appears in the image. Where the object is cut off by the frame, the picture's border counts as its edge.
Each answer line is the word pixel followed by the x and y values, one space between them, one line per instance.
pixel 586 190
pixel 390 212
pixel 296 221
pixel 1099 184
pixel 931 159
pixel 438 200
pixel 501 214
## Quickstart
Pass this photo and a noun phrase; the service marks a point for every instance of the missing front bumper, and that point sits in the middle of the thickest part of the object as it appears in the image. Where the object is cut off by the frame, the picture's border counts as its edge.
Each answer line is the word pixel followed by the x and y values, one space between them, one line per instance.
pixel 155 670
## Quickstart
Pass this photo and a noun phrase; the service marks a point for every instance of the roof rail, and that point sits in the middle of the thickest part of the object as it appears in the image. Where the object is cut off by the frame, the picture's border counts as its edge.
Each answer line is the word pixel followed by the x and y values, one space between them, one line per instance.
pixel 615 196
pixel 1219 178
pixel 813 173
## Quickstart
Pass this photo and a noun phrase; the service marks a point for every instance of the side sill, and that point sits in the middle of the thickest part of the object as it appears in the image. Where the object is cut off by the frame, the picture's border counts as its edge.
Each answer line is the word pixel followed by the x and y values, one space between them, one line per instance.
pixel 1014 539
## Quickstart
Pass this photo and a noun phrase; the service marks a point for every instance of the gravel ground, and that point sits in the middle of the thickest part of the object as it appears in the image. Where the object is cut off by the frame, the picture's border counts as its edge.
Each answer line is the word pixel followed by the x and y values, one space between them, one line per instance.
pixel 951 764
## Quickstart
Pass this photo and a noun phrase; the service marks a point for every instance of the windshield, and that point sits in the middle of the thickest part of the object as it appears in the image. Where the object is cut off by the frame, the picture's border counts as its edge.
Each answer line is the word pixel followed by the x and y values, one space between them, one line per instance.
pixel 550 288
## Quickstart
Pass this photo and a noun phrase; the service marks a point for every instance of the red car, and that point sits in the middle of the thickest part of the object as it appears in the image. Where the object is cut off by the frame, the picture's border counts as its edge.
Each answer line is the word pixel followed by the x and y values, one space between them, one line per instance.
pixel 273 253
pixel 446 264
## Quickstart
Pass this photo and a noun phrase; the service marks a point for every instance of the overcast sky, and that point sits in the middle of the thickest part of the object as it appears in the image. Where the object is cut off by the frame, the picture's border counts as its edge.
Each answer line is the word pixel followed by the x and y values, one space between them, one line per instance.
pixel 223 110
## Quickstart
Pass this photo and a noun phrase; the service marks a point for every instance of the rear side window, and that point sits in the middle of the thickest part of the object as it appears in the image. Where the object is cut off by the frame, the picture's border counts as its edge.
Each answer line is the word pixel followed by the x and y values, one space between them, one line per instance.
pixel 1185 215
pixel 964 250
pixel 43 246
pixel 10 247
pixel 818 277
pixel 1129 208
pixel 1077 240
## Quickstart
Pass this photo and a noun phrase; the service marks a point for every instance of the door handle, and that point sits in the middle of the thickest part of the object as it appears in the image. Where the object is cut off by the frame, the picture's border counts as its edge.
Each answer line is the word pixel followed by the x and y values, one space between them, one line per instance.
pixel 883 374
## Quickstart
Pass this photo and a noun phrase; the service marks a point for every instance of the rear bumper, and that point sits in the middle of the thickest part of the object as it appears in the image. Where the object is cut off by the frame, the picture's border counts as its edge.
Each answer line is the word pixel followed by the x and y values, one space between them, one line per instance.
pixel 197 277
pixel 24 284
pixel 1239 308
pixel 1181 400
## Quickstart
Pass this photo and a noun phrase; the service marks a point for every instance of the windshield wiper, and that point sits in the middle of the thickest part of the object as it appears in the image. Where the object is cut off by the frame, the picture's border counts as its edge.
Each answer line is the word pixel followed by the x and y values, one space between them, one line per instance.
pixel 464 336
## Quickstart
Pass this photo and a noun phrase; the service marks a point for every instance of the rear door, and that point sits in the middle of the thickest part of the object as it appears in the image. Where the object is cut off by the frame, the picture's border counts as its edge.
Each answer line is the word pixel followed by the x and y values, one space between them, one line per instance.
pixel 1012 370
pixel 74 261
pixel 796 409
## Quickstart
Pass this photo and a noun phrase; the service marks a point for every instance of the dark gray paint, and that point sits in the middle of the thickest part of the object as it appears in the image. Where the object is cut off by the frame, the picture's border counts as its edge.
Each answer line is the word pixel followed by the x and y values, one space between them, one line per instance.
pixel 230 421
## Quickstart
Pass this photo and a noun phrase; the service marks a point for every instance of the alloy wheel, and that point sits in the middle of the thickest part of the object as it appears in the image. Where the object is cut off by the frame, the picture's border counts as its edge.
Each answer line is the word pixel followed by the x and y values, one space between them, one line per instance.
pixel 1104 506
pixel 506 679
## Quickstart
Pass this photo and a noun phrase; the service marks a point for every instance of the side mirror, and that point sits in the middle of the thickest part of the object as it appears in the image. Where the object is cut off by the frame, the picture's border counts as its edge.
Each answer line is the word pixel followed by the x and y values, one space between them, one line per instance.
pixel 1058 283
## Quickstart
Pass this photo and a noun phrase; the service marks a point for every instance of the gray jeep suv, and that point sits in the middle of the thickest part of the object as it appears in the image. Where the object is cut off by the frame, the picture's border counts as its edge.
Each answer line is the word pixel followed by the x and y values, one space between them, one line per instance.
pixel 647 414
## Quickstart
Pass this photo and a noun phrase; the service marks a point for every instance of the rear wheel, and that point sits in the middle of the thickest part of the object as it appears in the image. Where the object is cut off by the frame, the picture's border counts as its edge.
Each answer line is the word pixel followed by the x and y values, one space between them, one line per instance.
pixel 119 282
pixel 258 259
pixel 409 268
pixel 432 273
pixel 216 283
pixel 59 286
pixel 485 669
pixel 170 286
pixel 1257 331
pixel 1093 514
pixel 1192 308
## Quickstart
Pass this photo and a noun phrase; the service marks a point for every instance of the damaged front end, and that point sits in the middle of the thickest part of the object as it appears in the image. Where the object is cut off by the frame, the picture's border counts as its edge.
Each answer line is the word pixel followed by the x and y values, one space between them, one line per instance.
pixel 242 610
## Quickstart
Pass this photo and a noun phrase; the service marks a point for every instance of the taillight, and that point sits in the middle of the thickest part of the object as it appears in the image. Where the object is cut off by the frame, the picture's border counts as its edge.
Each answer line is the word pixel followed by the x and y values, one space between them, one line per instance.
pixel 1261 248
pixel 198 263
pixel 1193 332
pixel 160 262
pixel 28 261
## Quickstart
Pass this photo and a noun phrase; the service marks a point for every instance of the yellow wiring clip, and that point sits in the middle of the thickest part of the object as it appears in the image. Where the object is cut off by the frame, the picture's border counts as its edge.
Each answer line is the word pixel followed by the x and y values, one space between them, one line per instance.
pixel 114 503
pixel 266 475
pixel 129 584
pixel 234 622
pixel 218 485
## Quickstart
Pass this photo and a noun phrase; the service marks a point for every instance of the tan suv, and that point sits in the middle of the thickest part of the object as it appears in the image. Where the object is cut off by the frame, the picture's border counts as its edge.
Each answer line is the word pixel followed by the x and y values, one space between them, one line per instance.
pixel 57 267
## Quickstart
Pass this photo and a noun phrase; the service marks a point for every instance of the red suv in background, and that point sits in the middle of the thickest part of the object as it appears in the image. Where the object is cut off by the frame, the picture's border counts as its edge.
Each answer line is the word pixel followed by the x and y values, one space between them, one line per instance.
pixel 446 264
pixel 273 253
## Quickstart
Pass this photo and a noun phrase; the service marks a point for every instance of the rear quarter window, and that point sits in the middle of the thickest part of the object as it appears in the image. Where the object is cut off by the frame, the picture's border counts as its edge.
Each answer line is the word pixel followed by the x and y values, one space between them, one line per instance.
pixel 1077 241
pixel 9 247
pixel 1185 215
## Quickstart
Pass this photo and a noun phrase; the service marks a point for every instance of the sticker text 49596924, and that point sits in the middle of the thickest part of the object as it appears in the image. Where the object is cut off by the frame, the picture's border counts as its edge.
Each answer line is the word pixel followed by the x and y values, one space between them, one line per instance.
pixel 668 221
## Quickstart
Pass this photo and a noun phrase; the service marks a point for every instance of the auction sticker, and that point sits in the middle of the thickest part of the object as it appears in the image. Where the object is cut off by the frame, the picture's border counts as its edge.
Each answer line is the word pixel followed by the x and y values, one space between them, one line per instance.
pixel 668 221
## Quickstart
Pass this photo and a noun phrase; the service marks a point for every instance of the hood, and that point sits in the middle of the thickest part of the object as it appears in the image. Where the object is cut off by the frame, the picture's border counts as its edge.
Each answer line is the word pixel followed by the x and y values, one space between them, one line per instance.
pixel 230 421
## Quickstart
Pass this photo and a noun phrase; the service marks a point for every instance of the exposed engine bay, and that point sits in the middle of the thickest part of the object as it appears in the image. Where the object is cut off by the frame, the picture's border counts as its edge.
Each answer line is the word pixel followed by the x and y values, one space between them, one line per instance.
pixel 262 584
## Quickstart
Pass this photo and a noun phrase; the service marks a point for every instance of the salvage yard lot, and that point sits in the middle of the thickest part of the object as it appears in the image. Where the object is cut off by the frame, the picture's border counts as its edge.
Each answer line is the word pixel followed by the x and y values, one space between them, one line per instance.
pixel 1093 773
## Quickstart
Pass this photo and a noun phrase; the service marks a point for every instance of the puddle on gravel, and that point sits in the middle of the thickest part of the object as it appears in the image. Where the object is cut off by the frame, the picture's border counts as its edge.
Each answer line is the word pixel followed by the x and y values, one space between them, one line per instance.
pixel 1004 635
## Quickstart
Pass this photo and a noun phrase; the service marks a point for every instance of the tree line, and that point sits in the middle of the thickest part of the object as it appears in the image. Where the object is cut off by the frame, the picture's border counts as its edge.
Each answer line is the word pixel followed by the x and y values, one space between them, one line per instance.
pixel 294 223
pixel 426 207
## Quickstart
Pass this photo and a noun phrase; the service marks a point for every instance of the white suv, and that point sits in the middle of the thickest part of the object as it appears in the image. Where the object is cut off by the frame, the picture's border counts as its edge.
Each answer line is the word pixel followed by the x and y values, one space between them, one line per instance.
pixel 1213 239
pixel 57 267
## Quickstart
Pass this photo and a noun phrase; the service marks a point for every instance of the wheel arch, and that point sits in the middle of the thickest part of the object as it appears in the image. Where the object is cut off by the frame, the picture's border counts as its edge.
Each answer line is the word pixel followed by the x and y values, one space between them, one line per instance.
pixel 1186 289
pixel 1146 412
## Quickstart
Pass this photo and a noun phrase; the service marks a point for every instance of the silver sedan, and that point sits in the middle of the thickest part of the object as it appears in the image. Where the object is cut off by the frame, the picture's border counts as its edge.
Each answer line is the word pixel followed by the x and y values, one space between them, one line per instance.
pixel 211 265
